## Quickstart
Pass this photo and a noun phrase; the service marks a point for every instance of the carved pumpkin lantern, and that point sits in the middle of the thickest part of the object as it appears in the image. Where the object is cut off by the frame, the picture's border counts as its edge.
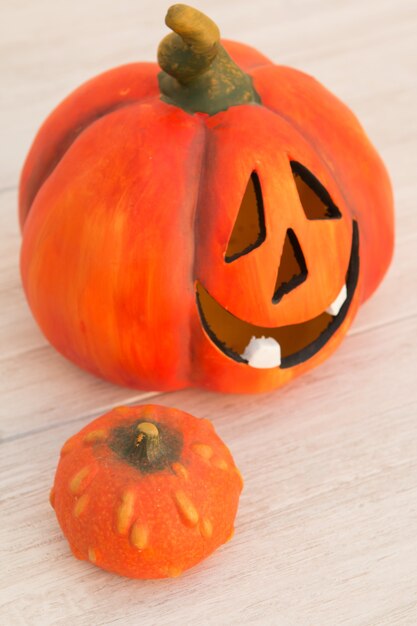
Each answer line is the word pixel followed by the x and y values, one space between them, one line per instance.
pixel 215 221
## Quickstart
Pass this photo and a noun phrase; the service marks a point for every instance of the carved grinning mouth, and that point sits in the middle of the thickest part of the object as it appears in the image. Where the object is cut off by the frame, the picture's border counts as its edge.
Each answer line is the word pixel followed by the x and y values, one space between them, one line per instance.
pixel 283 346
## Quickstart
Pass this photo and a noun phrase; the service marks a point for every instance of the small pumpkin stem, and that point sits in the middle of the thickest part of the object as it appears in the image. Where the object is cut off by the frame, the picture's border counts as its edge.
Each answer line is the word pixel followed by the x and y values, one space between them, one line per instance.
pixel 147 440
pixel 198 74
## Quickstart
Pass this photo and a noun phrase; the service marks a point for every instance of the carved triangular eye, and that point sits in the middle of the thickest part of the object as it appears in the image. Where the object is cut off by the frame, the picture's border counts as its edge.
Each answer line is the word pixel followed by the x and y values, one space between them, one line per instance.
pixel 316 201
pixel 249 229
pixel 292 267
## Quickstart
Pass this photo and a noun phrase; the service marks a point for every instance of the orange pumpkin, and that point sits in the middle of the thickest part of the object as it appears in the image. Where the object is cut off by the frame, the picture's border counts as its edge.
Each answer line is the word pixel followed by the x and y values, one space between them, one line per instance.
pixel 216 223
pixel 146 491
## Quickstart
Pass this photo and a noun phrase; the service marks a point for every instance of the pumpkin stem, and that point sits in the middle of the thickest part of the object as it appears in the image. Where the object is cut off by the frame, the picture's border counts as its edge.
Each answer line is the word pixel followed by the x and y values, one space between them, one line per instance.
pixel 198 75
pixel 147 441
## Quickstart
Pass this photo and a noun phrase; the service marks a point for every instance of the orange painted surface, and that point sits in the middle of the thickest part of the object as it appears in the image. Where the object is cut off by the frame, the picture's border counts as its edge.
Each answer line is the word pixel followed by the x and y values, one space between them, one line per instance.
pixel 146 524
pixel 127 202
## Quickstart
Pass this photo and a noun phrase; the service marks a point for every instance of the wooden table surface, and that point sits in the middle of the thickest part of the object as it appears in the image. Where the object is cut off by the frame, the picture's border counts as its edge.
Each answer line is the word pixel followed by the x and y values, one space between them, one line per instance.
pixel 326 532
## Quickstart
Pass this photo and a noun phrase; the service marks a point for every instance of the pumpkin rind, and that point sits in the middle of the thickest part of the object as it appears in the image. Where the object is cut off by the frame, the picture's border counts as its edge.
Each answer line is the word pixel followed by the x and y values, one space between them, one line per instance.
pixel 146 522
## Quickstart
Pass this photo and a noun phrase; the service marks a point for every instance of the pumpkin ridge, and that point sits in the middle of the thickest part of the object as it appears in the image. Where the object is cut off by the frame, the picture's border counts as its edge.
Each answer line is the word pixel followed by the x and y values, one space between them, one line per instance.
pixel 72 136
pixel 194 229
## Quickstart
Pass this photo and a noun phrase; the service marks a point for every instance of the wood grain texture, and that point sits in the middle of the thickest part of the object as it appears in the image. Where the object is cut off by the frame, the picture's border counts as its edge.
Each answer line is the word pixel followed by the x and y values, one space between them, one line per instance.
pixel 327 527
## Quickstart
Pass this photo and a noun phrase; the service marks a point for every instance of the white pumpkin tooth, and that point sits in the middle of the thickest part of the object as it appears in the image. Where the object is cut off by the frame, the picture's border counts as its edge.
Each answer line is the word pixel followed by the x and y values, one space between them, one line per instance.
pixel 262 352
pixel 337 304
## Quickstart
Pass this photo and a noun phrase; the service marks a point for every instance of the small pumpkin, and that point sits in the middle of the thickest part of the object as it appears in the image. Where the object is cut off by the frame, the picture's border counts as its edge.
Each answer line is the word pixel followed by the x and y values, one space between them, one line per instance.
pixel 215 221
pixel 146 491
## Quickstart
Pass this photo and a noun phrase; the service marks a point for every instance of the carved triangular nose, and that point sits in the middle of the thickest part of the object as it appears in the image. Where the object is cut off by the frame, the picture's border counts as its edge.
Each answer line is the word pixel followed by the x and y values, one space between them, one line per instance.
pixel 292 270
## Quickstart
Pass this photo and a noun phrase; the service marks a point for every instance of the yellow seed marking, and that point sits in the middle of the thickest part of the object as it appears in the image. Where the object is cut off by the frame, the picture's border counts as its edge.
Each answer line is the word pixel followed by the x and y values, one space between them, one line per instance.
pixel 92 555
pixel 139 535
pixel 95 435
pixel 232 532
pixel 52 497
pixel 76 481
pixel 67 447
pixel 220 463
pixel 203 450
pixel 77 553
pixel 186 509
pixel 81 504
pixel 122 409
pixel 239 474
pixel 173 572
pixel 206 528
pixel 180 470
pixel 125 512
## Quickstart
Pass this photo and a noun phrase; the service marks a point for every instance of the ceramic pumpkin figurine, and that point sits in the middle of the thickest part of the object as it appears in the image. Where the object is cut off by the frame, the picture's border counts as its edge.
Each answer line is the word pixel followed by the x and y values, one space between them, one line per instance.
pixel 146 491
pixel 214 221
